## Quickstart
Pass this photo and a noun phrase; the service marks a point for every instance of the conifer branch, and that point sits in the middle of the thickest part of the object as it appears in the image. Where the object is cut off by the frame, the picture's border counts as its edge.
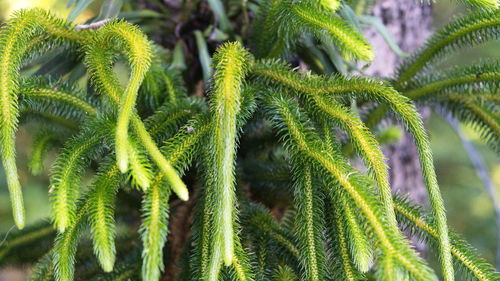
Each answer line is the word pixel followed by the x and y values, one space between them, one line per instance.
pixel 365 142
pixel 41 144
pixel 309 225
pixel 66 243
pixel 67 171
pixel 37 88
pixel 470 79
pixel 101 215
pixel 260 222
pixel 97 59
pixel 351 42
pixel 481 116
pixel 361 250
pixel 289 122
pixel 315 85
pixel 413 218
pixel 154 229
pixel 285 273
pixel 44 113
pixel 139 168
pixel 179 150
pixel 336 223
pixel 15 36
pixel 470 30
pixel 137 49
pixel 348 271
pixel 231 63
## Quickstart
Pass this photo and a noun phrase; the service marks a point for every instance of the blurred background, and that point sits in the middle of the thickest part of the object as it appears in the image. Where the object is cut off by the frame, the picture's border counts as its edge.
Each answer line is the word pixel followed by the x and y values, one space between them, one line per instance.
pixel 470 208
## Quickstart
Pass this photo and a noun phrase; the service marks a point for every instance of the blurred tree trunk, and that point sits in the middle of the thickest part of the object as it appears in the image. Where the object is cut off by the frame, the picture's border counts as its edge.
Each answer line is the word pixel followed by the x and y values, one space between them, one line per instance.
pixel 409 22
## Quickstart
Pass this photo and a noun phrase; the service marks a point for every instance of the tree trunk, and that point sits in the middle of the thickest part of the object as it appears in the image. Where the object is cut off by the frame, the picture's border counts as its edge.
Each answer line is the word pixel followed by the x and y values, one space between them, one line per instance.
pixel 409 22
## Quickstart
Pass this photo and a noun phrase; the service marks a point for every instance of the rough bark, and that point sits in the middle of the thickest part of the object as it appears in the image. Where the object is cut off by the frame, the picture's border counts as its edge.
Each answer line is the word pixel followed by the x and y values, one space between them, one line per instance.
pixel 409 22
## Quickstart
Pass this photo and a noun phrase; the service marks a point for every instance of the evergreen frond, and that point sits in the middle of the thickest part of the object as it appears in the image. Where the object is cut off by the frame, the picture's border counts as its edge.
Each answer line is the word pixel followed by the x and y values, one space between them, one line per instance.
pixel 67 171
pixel 361 248
pixel 57 92
pixel 43 141
pixel 344 267
pixel 309 224
pixel 181 147
pixel 259 221
pixel 98 62
pixel 231 63
pixel 470 30
pixel 161 86
pixel 137 49
pixel 15 38
pixel 364 142
pixel 179 150
pixel 168 171
pixel 269 177
pixel 316 85
pixel 241 268
pixel 466 260
pixel 297 17
pixel 285 273
pixel 167 119
pixel 43 112
pixel 265 41
pixel 289 121
pixel 101 201
pixel 471 79
pixel 28 239
pixel 262 257
pixel 154 229
pixel 200 238
pixel 139 167
pixel 483 117
pixel 265 148
pixel 66 243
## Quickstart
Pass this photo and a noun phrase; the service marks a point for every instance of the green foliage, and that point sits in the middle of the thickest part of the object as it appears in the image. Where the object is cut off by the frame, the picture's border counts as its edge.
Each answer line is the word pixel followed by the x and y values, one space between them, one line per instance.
pixel 423 226
pixel 67 172
pixel 267 133
pixel 231 64
pixel 283 21
pixel 307 144
pixel 130 40
pixel 12 248
pixel 470 30
pixel 101 215
pixel 154 229
pixel 344 267
pixel 309 224
pixel 66 244
pixel 284 273
pixel 43 141
pixel 15 40
pixel 460 91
